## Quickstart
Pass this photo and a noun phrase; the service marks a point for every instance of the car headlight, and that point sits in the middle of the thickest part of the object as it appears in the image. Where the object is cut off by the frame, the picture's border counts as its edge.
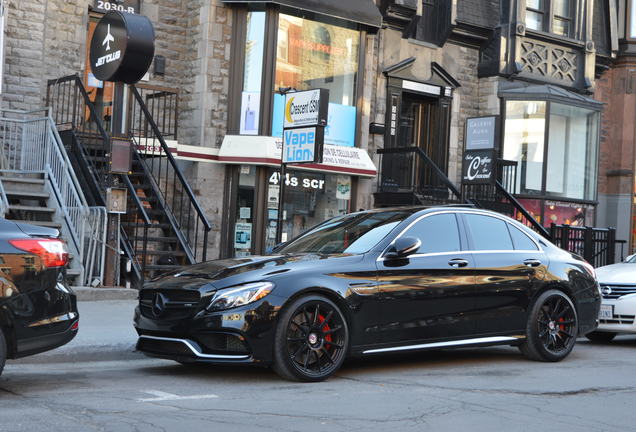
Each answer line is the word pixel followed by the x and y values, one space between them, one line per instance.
pixel 240 296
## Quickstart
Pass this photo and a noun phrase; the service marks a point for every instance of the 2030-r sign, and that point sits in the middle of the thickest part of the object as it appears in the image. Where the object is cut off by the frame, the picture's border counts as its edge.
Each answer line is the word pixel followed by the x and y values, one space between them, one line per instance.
pixel 126 6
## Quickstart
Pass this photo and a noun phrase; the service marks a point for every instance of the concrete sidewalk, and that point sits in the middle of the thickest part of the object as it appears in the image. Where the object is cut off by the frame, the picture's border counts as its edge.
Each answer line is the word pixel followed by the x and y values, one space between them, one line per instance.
pixel 105 333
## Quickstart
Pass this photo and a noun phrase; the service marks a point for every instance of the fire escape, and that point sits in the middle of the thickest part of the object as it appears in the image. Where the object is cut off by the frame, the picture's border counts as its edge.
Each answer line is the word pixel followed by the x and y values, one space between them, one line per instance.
pixel 164 227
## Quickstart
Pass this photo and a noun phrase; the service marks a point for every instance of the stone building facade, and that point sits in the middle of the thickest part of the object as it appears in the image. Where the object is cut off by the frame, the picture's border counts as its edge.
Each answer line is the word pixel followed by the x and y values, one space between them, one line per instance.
pixel 452 60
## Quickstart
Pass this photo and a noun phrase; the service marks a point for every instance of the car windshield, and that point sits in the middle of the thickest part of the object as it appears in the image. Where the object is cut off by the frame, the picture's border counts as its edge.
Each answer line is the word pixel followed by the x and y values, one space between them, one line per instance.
pixel 631 259
pixel 355 233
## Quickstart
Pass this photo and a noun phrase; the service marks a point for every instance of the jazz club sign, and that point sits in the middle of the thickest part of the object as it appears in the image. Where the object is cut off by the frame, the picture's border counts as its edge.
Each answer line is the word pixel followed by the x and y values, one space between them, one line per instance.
pixel 122 48
pixel 304 126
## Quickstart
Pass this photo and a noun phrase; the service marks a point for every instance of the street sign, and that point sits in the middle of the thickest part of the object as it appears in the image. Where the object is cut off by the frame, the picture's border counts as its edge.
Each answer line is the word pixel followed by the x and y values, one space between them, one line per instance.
pixel 306 108
pixel 122 48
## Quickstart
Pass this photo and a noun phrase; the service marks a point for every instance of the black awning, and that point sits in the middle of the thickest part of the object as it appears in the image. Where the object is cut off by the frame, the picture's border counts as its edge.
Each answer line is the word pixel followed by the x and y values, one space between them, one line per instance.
pixel 363 12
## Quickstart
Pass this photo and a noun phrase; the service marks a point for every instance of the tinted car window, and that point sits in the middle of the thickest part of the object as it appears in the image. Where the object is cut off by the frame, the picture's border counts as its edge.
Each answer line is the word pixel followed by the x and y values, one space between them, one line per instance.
pixel 488 233
pixel 354 233
pixel 438 233
pixel 521 240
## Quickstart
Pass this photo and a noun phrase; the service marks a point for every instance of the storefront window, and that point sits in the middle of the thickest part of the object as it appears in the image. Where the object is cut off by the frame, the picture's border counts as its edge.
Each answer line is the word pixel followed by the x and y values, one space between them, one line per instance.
pixel 253 73
pixel 243 228
pixel 572 152
pixel 310 198
pixel 572 149
pixel 524 138
pixel 312 54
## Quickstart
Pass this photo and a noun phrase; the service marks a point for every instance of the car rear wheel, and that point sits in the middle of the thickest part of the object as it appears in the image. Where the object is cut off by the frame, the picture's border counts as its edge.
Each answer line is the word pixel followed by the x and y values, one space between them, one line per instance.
pixel 311 340
pixel 551 329
pixel 598 336
pixel 3 350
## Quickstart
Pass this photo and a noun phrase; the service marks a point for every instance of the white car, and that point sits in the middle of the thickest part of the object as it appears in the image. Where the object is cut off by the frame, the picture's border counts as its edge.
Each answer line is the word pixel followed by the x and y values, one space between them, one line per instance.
pixel 618 308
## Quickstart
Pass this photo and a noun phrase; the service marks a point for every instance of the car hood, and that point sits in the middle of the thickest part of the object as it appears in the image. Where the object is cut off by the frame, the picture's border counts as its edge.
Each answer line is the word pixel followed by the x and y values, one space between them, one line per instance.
pixel 617 273
pixel 229 272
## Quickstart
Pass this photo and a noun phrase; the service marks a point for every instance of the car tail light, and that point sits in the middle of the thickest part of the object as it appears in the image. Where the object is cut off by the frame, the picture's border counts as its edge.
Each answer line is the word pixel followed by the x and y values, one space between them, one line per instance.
pixel 52 251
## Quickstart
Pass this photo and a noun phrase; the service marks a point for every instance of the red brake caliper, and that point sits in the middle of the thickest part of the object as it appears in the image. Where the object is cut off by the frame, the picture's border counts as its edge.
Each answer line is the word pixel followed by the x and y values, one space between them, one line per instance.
pixel 321 319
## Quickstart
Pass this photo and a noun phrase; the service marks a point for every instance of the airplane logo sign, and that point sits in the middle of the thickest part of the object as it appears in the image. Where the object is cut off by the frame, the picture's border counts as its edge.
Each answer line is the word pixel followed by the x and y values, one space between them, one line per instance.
pixel 108 39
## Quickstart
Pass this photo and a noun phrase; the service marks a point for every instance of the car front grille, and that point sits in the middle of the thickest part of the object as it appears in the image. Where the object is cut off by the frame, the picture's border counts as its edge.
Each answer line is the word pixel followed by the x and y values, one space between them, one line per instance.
pixel 169 304
pixel 618 319
pixel 221 342
pixel 614 291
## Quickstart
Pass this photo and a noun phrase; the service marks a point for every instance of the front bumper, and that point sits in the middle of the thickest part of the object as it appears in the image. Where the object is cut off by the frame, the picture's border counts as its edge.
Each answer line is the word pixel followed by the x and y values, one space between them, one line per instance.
pixel 623 315
pixel 239 335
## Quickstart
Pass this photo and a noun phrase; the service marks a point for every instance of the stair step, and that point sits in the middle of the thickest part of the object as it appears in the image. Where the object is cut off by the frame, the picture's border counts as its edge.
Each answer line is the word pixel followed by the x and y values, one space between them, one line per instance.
pixel 27 194
pixel 164 253
pixel 8 179
pixel 31 208
pixel 156 239
pixel 141 225
pixel 39 223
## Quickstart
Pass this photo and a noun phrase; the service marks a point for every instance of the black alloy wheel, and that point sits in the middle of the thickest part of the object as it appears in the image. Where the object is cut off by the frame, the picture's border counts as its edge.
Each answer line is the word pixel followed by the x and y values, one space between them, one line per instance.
pixel 600 336
pixel 552 328
pixel 311 340
pixel 3 351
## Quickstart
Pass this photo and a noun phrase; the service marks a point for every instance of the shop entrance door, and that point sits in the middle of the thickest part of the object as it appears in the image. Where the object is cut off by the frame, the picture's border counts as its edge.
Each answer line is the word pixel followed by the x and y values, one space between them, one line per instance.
pixel 421 125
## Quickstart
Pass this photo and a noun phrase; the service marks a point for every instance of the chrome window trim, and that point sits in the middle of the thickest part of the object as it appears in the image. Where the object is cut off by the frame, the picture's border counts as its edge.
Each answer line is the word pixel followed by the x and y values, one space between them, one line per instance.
pixel 381 257
pixel 195 351
pixel 494 339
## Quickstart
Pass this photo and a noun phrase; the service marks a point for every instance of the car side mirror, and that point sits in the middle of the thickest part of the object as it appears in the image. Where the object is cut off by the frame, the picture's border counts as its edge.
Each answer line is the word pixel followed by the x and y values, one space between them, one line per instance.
pixel 403 247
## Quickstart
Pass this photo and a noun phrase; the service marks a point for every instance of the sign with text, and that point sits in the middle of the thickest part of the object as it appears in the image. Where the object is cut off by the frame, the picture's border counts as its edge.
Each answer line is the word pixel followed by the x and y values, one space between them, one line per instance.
pixel 479 167
pixel 306 108
pixel 122 48
pixel 482 133
pixel 130 6
pixel 303 145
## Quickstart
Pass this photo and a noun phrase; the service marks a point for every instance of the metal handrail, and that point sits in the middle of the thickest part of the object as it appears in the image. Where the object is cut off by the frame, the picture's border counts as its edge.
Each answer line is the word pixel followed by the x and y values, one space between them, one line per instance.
pixel 172 160
pixel 521 209
pixel 429 162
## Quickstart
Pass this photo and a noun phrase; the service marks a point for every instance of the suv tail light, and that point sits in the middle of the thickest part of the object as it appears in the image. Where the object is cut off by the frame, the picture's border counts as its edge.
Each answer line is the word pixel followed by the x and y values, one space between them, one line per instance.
pixel 52 251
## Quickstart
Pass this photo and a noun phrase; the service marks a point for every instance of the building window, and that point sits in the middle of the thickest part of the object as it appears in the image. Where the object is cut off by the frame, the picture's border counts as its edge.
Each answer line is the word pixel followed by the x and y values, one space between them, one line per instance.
pixel 253 73
pixel 312 54
pixel 564 167
pixel 553 16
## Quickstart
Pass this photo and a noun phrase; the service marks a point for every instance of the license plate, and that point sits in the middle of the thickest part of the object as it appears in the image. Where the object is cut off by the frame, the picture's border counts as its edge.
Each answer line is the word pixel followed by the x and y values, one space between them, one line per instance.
pixel 607 312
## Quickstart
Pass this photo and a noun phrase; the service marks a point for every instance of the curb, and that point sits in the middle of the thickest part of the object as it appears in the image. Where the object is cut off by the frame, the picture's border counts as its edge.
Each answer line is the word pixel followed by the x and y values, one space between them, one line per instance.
pixel 77 354
pixel 98 294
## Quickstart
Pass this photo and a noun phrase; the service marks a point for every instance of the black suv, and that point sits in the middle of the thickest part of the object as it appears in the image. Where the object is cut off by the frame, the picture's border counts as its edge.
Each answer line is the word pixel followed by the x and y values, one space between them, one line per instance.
pixel 38 312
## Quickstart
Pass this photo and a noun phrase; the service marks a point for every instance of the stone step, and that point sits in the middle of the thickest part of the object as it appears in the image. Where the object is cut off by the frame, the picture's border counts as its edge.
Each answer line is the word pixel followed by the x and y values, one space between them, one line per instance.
pixel 39 223
pixel 27 194
pixel 31 208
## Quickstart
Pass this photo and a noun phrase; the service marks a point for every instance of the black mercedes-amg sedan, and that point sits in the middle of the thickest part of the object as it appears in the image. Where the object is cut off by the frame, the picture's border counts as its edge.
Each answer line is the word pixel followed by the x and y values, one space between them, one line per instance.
pixel 379 281
pixel 38 311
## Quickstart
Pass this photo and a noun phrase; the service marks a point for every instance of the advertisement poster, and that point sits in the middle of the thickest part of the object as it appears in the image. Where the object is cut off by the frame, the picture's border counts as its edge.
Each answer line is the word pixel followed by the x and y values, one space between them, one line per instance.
pixel 243 236
pixel 250 106
pixel 341 123
pixel 343 190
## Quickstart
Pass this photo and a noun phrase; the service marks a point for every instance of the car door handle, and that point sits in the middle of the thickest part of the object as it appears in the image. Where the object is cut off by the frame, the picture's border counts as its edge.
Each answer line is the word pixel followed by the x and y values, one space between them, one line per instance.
pixel 457 263
pixel 532 263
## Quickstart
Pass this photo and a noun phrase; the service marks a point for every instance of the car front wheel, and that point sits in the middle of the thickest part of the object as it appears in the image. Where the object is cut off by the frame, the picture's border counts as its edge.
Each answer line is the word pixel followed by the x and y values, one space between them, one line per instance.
pixel 551 329
pixel 311 340
pixel 598 336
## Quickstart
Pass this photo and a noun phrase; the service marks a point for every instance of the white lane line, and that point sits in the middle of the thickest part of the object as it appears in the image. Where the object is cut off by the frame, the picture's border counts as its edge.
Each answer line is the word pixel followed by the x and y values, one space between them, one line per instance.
pixel 163 396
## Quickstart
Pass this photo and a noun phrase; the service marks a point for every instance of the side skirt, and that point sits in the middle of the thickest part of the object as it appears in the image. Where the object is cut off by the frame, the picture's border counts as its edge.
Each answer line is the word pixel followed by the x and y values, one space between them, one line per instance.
pixel 456 343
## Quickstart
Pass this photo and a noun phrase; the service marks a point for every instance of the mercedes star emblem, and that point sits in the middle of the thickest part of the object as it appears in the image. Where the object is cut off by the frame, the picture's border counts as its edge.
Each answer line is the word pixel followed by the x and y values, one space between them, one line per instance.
pixel 159 304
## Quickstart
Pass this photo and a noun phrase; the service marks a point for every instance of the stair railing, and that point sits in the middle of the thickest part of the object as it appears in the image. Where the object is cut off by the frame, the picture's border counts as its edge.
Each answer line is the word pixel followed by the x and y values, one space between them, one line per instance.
pixel 32 144
pixel 175 196
pixel 437 189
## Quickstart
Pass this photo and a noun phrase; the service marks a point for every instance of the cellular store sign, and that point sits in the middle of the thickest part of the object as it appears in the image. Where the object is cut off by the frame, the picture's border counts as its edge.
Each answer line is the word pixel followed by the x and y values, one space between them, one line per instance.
pixel 122 48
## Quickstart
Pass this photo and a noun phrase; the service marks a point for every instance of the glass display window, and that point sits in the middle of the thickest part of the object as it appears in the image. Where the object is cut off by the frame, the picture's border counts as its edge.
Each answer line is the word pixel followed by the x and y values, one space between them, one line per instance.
pixel 310 199
pixel 243 225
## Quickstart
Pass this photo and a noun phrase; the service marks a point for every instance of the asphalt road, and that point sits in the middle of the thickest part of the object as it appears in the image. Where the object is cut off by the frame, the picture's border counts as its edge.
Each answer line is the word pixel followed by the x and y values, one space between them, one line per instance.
pixel 481 389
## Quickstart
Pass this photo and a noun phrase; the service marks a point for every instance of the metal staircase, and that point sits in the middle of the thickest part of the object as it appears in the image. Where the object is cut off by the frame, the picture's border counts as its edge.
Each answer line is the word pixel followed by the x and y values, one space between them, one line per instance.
pixel 165 226
pixel 37 186
pixel 410 177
